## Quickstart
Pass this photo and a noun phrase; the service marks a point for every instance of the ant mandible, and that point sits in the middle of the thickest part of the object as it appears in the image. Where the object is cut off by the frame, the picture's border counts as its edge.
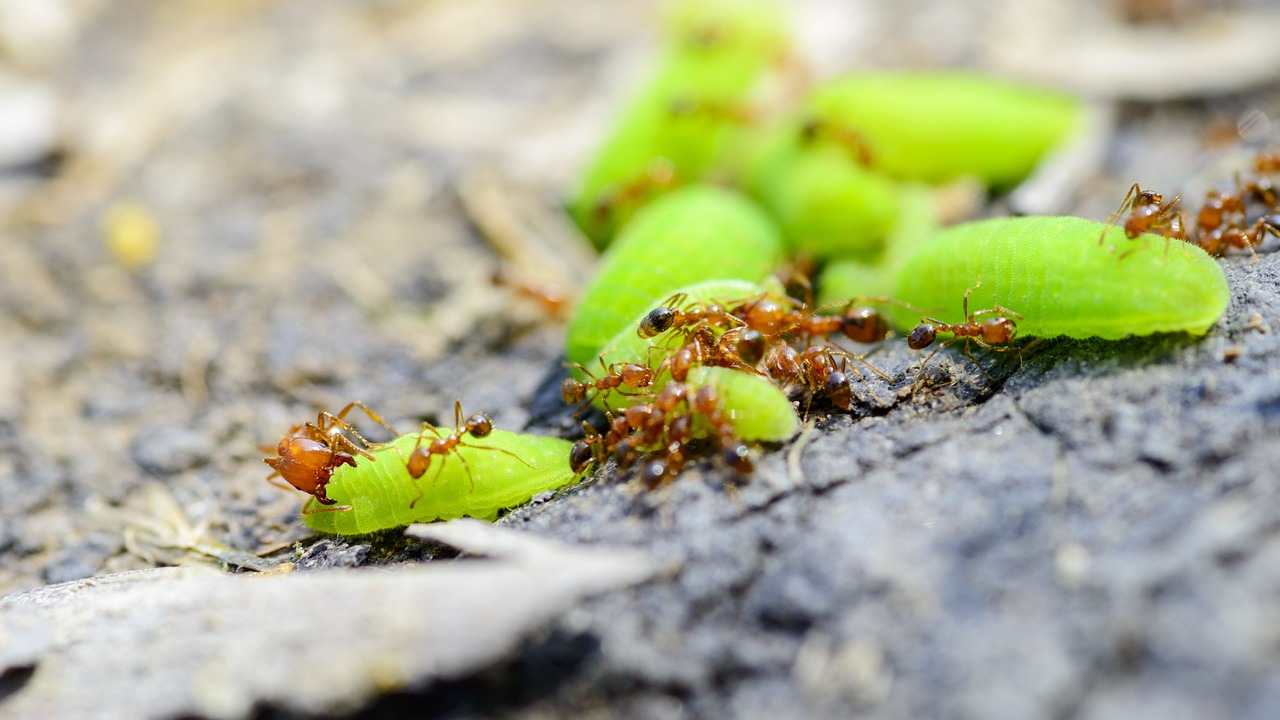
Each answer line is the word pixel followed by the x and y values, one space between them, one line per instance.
pixel 308 454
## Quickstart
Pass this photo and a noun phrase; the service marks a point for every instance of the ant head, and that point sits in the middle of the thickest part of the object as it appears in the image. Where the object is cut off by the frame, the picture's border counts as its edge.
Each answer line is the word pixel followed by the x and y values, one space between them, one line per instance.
pixel 572 391
pixel 922 337
pixel 751 346
pixel 479 425
pixel 864 325
pixel 580 456
pixel 681 429
pixel 656 322
pixel 654 472
pixel 836 382
pixel 623 453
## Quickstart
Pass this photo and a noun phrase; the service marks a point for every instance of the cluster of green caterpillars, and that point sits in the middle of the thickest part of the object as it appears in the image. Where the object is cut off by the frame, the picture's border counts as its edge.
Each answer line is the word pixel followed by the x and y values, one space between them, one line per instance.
pixel 724 168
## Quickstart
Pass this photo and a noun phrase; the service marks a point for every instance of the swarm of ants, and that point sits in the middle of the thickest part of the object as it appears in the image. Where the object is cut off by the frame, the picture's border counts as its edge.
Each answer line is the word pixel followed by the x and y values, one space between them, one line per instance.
pixel 1237 216
pixel 786 341
pixel 782 339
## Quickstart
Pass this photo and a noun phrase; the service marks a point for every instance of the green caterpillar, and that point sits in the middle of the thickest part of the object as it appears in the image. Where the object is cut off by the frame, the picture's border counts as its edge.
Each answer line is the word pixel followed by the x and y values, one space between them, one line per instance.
pixel 476 479
pixel 697 233
pixel 1054 271
pixel 674 129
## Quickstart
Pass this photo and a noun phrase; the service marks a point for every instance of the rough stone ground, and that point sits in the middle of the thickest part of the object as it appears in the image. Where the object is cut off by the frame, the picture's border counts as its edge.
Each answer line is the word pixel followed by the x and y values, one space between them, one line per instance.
pixel 1093 533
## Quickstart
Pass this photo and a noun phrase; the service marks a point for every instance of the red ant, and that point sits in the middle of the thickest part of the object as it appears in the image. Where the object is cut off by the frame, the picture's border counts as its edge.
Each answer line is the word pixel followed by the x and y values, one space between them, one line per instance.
pixel 1268 161
pixel 675 436
pixel 550 298
pixel 308 454
pixel 993 333
pixel 818 367
pixel 858 323
pixel 477 426
pixel 706 403
pixel 854 143
pixel 1218 207
pixel 1148 213
pixel 616 375
pixel 669 316
pixel 713 110
pixel 659 175
pixel 1232 236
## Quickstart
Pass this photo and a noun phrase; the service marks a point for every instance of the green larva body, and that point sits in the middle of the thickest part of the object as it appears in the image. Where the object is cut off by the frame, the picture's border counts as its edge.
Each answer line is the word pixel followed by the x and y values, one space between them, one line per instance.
pixel 758 408
pixel 379 492
pixel 694 234
pixel 826 204
pixel 935 126
pixel 682 119
pixel 1054 272
pixel 845 277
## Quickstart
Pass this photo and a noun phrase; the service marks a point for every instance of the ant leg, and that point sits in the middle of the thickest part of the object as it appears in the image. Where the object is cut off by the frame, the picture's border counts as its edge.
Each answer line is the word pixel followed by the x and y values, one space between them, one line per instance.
pixel 867 364
pixel 271 480
pixel 1018 352
pixel 372 416
pixel 920 369
pixel 335 421
pixel 965 302
pixel 998 310
pixel 920 376
pixel 974 360
pixel 344 444
pixel 673 302
pixel 457 416
pixel 577 413
pixel 1125 204
pixel 418 486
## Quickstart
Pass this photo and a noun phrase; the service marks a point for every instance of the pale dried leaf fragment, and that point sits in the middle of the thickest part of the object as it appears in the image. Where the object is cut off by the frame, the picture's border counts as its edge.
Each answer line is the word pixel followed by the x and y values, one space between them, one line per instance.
pixel 181 642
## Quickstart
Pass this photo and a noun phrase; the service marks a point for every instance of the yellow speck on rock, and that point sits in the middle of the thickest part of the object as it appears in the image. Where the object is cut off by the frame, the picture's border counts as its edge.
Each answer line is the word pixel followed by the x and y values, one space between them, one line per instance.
pixel 131 234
